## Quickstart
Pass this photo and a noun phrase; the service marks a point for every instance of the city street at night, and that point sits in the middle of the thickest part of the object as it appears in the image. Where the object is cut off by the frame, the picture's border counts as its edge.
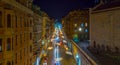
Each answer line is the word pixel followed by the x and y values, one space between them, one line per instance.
pixel 59 32
pixel 57 54
pixel 62 59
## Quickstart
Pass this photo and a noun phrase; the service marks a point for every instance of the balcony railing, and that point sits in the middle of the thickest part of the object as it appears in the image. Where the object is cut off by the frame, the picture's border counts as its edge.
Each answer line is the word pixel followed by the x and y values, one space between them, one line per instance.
pixel 85 59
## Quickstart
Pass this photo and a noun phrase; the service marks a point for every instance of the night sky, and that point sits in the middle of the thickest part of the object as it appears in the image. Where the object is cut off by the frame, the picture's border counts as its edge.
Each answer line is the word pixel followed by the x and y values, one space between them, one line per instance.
pixel 59 8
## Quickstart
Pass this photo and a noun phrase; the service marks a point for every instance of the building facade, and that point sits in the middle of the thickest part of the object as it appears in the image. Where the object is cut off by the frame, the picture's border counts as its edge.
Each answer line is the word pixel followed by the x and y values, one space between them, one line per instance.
pixel 76 23
pixel 105 26
pixel 48 26
pixel 16 32
pixel 37 30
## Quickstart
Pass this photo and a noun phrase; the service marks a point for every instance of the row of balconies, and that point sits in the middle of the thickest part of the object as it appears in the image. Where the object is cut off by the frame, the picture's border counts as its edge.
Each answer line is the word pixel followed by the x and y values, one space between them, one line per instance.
pixel 37 27
pixel 26 3
pixel 37 22
pixel 18 4
pixel 37 30
pixel 36 40
pixel 37 47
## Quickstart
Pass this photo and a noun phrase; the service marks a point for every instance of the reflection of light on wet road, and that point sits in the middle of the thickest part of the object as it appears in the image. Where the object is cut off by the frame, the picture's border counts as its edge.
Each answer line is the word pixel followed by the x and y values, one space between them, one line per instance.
pixel 57 58
pixel 38 60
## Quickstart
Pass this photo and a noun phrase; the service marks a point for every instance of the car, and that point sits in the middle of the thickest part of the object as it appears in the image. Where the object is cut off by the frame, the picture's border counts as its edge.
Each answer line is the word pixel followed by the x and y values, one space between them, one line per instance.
pixel 65 46
pixel 64 41
pixel 60 43
pixel 45 60
pixel 45 63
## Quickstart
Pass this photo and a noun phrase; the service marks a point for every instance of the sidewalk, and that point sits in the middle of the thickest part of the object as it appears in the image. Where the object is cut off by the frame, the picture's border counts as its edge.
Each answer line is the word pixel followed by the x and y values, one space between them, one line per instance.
pixel 84 45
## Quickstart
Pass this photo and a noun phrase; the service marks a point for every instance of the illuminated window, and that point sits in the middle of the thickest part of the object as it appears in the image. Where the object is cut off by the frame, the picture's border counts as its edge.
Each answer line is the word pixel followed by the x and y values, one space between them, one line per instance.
pixel 0 19
pixel 86 30
pixel 75 25
pixel 80 29
pixel 0 45
pixel 8 44
pixel 82 25
pixel 8 20
pixel 86 24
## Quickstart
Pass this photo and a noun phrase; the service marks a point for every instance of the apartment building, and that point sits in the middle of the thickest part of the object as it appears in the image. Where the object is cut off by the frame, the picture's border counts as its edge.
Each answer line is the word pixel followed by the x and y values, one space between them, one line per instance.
pixel 76 23
pixel 16 32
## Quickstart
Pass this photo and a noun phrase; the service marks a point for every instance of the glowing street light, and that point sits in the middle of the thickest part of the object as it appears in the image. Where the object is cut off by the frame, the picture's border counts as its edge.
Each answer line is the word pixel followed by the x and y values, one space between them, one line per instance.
pixel 77 56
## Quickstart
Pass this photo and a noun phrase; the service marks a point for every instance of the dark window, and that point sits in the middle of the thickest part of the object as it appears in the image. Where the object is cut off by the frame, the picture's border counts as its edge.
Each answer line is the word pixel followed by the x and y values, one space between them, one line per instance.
pixel 8 63
pixel 30 61
pixel 16 20
pixel 20 21
pixel 8 20
pixel 12 43
pixel 24 51
pixel 0 19
pixel 12 63
pixel 0 45
pixel 30 36
pixel 8 44
pixel 16 58
pixel 16 39
pixel 20 54
pixel 24 37
pixel 20 39
pixel 18 0
pixel 25 22
pixel 30 23
pixel 30 48
pixel 0 63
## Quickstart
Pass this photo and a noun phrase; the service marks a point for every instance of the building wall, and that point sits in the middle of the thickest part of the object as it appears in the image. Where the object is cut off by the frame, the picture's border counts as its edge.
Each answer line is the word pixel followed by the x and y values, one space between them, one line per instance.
pixel 17 36
pixel 37 34
pixel 44 27
pixel 105 28
pixel 47 26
